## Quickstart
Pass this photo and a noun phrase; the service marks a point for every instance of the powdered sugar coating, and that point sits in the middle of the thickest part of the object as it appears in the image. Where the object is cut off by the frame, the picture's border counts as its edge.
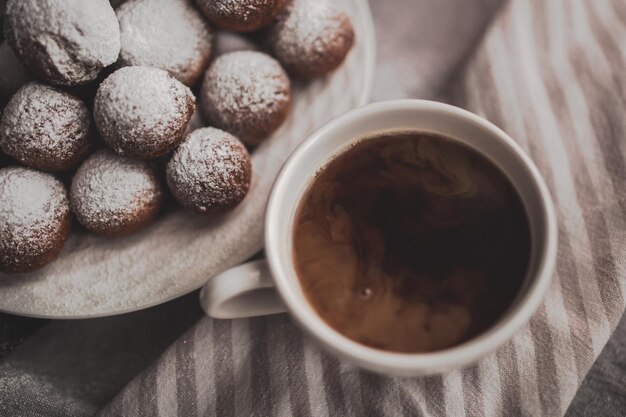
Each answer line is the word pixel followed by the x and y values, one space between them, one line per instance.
pixel 142 112
pixel 34 219
pixel 210 172
pixel 241 15
pixel 246 93
pixel 115 195
pixel 167 34
pixel 65 42
pixel 311 37
pixel 46 128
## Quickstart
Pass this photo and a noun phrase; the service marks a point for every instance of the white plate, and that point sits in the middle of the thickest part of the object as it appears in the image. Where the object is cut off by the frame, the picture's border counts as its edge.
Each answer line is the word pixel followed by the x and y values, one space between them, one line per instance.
pixel 96 276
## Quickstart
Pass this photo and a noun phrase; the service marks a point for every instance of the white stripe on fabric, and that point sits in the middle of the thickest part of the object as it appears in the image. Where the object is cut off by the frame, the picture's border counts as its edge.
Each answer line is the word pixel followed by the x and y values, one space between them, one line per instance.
pixel 166 385
pixel 454 398
pixel 562 349
pixel 527 369
pixel 490 388
pixel 505 86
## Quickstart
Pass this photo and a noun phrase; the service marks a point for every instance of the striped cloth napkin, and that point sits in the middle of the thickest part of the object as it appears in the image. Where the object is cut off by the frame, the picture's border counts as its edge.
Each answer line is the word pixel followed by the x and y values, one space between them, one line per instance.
pixel 553 75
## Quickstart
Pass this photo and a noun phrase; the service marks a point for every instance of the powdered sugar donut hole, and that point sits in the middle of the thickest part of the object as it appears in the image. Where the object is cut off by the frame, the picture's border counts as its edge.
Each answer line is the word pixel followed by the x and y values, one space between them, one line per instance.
pixel 241 15
pixel 46 128
pixel 310 38
pixel 114 195
pixel 246 93
pixel 142 112
pixel 168 34
pixel 210 172
pixel 63 42
pixel 34 219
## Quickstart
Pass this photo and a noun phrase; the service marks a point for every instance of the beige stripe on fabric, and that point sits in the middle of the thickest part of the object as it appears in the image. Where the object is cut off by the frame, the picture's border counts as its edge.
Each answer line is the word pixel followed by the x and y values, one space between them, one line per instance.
pixel 166 400
pixel 223 366
pixel 314 380
pixel 260 364
pixel 203 362
pixel 278 384
pixel 352 390
pixel 242 354
pixel 528 384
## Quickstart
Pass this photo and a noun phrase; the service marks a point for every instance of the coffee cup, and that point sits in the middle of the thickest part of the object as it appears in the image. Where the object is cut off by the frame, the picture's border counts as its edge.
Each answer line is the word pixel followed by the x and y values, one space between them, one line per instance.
pixel 272 286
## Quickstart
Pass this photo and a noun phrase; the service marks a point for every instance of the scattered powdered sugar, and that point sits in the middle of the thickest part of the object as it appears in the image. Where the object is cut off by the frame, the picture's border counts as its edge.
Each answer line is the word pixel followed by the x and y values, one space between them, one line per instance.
pixel 65 42
pixel 311 37
pixel 110 193
pixel 46 128
pixel 13 74
pixel 167 34
pixel 246 93
pixel 34 214
pixel 142 112
pixel 210 171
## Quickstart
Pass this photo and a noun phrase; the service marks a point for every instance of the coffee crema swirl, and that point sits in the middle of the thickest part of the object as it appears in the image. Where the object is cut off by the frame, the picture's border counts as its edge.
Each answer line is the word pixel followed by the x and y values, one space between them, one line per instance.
pixel 411 242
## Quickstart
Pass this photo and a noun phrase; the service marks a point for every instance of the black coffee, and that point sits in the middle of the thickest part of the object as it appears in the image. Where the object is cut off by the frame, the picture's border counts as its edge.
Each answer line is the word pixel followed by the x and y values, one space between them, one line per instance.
pixel 411 242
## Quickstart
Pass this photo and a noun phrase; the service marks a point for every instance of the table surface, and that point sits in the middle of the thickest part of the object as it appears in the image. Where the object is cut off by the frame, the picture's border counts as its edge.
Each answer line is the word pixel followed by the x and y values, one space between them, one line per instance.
pixel 410 64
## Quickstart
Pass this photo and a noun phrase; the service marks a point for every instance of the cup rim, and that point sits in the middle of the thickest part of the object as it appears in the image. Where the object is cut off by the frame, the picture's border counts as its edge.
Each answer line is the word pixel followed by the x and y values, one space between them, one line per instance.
pixel 399 363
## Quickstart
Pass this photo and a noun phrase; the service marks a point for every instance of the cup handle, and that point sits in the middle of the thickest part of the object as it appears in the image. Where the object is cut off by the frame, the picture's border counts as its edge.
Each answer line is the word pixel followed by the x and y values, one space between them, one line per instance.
pixel 243 291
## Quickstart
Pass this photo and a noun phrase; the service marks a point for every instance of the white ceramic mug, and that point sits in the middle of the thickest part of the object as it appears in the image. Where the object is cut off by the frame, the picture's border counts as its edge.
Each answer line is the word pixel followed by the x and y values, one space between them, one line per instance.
pixel 266 287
